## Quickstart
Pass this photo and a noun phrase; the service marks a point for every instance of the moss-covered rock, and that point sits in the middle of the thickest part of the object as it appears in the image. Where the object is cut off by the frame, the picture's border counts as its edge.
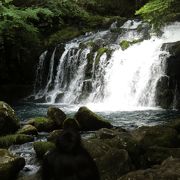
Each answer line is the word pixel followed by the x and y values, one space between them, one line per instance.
pixel 8 140
pixel 28 129
pixel 42 124
pixel 10 165
pixel 56 115
pixel 71 123
pixel 9 122
pixel 42 147
pixel 90 121
pixel 125 44
pixel 54 135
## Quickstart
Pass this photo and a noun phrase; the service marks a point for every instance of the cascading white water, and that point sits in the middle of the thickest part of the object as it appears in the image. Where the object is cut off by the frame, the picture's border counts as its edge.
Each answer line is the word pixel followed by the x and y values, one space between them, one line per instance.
pixel 127 80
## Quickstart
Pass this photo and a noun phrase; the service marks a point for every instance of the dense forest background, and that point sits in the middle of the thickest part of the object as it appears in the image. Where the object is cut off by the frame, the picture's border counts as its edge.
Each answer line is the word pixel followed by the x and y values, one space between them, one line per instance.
pixel 29 27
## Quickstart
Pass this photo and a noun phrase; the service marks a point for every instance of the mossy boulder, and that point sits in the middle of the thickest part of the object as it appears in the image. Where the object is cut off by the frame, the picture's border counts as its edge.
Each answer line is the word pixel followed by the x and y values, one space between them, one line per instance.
pixel 8 140
pixel 89 121
pixel 71 123
pixel 42 124
pixel 125 44
pixel 9 123
pixel 28 129
pixel 10 165
pixel 56 115
pixel 42 147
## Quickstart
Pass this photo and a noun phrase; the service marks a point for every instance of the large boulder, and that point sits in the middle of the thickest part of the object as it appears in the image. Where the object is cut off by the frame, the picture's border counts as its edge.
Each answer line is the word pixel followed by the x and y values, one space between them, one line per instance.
pixel 10 165
pixel 56 115
pixel 169 170
pixel 71 123
pixel 90 121
pixel 42 124
pixel 9 123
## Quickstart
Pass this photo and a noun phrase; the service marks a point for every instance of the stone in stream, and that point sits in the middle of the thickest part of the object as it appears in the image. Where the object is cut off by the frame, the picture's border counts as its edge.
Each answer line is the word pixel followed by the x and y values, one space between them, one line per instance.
pixel 56 115
pixel 28 130
pixel 9 123
pixel 10 165
pixel 90 121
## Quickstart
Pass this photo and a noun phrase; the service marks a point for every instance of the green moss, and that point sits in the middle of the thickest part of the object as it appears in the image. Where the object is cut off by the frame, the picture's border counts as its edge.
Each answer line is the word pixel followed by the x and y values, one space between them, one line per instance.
pixel 100 52
pixel 42 147
pixel 6 141
pixel 28 129
pixel 125 44
pixel 42 124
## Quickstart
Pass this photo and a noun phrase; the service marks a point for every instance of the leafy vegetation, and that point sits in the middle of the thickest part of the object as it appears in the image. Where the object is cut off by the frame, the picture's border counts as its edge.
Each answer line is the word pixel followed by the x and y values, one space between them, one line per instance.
pixel 159 12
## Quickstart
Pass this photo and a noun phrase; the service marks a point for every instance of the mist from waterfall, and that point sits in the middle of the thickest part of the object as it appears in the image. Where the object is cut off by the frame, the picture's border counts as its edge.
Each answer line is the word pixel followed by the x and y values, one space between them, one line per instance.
pixel 117 78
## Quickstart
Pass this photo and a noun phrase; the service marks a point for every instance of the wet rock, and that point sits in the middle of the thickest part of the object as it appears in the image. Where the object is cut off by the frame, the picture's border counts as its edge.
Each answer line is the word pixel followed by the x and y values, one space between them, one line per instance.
pixel 164 95
pixel 96 147
pixel 56 115
pixel 9 123
pixel 53 135
pixel 90 121
pixel 172 70
pixel 114 163
pixel 8 140
pixel 156 135
pixel 156 155
pixel 28 129
pixel 175 124
pixel 42 124
pixel 71 123
pixel 10 165
pixel 42 147
pixel 169 170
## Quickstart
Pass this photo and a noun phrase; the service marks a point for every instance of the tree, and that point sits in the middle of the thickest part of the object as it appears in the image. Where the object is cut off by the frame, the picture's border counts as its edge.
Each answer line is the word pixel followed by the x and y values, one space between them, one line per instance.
pixel 159 12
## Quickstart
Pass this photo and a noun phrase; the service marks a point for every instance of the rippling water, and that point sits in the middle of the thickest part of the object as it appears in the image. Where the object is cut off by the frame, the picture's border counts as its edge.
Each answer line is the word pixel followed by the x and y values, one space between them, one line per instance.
pixel 126 119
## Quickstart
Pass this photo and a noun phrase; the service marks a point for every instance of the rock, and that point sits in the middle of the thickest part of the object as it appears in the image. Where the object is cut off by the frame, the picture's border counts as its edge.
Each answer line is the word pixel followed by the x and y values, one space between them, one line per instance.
pixel 169 170
pixel 57 115
pixel 156 155
pixel 164 95
pixel 28 129
pixel 9 123
pixel 125 141
pixel 42 147
pixel 90 121
pixel 105 133
pixel 8 140
pixel 114 164
pixel 53 135
pixel 156 135
pixel 175 124
pixel 71 123
pixel 42 124
pixel 10 165
pixel 172 71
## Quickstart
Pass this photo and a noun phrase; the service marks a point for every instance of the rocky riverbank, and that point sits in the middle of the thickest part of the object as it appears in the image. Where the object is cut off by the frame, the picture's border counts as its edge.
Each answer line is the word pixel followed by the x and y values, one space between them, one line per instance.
pixel 143 153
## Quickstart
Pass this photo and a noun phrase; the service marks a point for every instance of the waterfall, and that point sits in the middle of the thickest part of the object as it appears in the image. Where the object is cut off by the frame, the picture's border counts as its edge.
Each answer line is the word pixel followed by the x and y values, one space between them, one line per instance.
pixel 98 70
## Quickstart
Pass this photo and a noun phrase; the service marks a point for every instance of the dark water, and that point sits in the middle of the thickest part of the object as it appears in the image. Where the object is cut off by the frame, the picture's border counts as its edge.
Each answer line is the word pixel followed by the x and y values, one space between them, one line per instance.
pixel 126 119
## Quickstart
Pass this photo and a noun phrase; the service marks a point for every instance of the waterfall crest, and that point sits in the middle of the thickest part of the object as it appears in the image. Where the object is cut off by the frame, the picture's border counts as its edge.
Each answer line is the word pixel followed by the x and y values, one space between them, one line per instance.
pixel 116 69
